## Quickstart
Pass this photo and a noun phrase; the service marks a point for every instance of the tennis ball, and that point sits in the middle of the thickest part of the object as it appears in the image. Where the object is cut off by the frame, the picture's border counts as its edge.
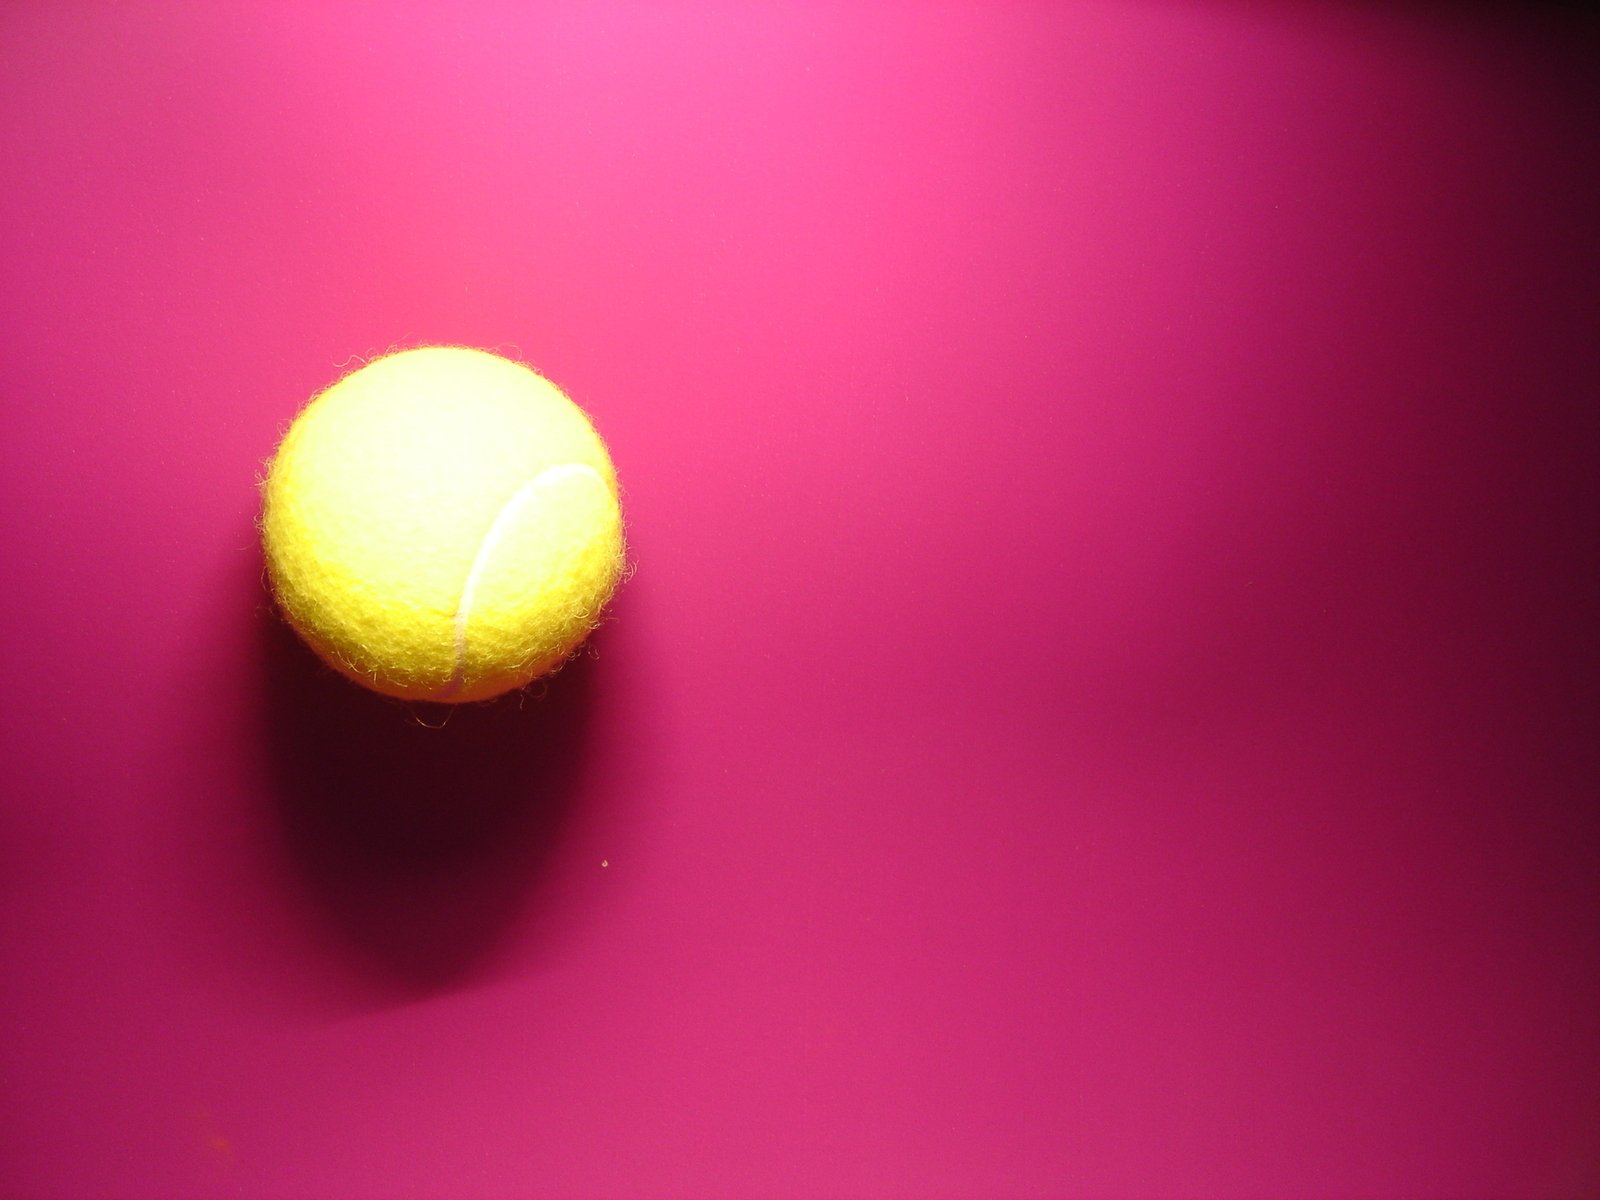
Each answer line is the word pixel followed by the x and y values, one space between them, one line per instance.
pixel 442 524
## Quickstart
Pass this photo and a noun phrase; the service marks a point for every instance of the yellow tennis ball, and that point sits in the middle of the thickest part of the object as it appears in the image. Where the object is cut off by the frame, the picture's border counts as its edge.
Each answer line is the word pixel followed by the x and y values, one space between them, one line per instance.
pixel 442 524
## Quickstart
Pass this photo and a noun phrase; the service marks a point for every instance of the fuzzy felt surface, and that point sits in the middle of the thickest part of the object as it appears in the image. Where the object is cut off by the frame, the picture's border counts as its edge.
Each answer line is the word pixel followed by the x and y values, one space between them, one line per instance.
pixel 442 524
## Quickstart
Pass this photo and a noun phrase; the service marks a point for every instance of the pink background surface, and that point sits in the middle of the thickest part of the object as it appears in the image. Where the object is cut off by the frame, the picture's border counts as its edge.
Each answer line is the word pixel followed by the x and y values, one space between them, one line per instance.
pixel 1107 706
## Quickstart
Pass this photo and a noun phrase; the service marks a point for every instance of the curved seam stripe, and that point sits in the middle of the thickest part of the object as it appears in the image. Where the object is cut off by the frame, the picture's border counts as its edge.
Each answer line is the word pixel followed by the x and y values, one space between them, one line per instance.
pixel 480 562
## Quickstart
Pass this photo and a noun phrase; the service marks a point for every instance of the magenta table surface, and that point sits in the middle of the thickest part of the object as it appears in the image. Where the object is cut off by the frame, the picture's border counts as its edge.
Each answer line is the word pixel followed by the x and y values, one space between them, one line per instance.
pixel 1106 706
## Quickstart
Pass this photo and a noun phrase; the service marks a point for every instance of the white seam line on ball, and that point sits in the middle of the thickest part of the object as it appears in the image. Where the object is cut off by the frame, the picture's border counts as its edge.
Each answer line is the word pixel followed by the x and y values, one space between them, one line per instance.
pixel 480 561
